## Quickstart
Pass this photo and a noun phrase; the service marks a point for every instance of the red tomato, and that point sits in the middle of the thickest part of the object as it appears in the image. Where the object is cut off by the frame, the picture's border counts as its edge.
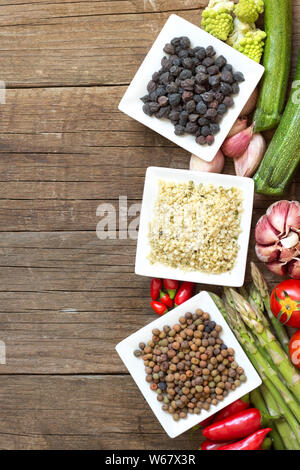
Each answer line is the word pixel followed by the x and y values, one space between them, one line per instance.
pixel 294 349
pixel 285 302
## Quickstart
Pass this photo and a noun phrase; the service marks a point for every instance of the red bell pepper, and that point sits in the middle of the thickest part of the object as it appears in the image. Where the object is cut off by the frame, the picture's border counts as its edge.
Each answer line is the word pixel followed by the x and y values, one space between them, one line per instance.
pixel 171 287
pixel 166 299
pixel 158 307
pixel 185 293
pixel 211 445
pixel 235 427
pixel 155 288
pixel 252 442
pixel 235 407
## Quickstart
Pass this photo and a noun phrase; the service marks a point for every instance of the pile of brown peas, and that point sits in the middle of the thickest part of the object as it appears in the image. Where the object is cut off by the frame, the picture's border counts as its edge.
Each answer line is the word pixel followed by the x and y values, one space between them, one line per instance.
pixel 189 366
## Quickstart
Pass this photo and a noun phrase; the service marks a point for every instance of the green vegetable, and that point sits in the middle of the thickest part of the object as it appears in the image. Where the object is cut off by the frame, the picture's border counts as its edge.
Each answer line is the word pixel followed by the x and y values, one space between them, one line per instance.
pixel 277 59
pixel 259 403
pixel 253 319
pixel 217 19
pixel 249 10
pixel 267 444
pixel 288 406
pixel 246 38
pixel 261 292
pixel 283 155
pixel 279 425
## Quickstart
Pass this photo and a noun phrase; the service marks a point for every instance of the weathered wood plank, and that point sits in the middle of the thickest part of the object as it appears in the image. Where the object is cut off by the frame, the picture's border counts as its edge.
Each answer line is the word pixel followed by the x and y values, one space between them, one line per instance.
pixel 80 50
pixel 107 163
pixel 83 412
pixel 38 11
pixel 70 120
pixel 81 43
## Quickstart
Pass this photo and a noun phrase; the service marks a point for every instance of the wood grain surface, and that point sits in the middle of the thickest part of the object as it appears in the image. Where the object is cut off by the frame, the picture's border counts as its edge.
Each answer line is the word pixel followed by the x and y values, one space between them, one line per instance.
pixel 66 297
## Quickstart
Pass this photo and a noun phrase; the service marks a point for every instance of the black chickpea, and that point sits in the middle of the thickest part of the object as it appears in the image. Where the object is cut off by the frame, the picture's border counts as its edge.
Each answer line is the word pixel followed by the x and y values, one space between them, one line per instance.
pixel 189 88
pixel 187 372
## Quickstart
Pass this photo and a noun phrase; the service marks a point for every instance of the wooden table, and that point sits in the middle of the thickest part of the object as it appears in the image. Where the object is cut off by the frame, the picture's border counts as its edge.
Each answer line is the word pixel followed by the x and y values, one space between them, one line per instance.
pixel 67 297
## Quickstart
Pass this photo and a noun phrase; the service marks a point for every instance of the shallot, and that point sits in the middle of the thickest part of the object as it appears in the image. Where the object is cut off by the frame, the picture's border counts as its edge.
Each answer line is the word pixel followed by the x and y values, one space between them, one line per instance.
pixel 251 104
pixel 277 236
pixel 215 166
pixel 239 125
pixel 247 164
pixel 235 146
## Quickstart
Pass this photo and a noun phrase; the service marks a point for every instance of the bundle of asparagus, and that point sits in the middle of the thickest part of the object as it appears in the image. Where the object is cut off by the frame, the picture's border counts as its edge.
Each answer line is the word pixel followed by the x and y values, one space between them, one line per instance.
pixel 280 393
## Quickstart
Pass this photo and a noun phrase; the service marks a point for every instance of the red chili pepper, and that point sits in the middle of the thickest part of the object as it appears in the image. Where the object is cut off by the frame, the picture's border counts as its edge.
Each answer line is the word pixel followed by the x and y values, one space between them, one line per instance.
pixel 155 288
pixel 235 407
pixel 252 442
pixel 158 307
pixel 165 299
pixel 235 427
pixel 206 422
pixel 211 445
pixel 171 286
pixel 185 293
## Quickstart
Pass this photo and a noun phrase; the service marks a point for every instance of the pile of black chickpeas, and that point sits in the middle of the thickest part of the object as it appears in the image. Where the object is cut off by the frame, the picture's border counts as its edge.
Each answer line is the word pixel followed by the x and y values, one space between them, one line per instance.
pixel 193 89
pixel 189 366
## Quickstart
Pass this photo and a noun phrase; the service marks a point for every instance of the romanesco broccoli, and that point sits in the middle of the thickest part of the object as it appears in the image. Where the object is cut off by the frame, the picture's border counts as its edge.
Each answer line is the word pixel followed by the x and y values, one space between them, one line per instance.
pixel 248 10
pixel 247 39
pixel 217 19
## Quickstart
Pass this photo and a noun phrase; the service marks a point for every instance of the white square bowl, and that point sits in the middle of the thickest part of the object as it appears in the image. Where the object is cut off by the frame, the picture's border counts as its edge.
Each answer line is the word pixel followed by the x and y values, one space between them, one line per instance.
pixel 143 267
pixel 136 367
pixel 177 26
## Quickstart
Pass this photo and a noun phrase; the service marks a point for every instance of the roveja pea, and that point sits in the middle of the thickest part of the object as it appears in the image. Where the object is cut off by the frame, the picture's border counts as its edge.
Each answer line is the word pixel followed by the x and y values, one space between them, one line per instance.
pixel 192 84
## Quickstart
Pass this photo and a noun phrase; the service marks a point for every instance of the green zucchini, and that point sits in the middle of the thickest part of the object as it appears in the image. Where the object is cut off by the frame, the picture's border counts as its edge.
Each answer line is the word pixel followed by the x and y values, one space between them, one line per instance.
pixel 277 62
pixel 283 155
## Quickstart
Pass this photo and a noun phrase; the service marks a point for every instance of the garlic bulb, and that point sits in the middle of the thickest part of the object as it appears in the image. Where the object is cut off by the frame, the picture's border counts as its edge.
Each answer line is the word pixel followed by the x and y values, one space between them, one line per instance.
pixel 277 236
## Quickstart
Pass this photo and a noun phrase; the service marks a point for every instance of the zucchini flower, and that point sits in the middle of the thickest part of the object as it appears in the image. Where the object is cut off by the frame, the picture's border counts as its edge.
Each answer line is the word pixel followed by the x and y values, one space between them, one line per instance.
pixel 249 40
pixel 248 10
pixel 217 19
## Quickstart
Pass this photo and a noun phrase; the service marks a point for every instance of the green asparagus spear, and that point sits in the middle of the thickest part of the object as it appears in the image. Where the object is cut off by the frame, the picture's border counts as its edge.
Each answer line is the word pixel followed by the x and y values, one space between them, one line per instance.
pixel 220 304
pixel 259 403
pixel 262 288
pixel 255 298
pixel 255 322
pixel 243 292
pixel 262 365
pixel 248 343
pixel 267 444
pixel 281 425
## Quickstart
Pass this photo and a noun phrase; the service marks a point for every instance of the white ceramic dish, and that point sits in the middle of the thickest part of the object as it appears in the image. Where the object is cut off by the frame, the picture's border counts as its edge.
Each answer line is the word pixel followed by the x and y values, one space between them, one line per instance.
pixel 136 367
pixel 143 267
pixel 177 26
